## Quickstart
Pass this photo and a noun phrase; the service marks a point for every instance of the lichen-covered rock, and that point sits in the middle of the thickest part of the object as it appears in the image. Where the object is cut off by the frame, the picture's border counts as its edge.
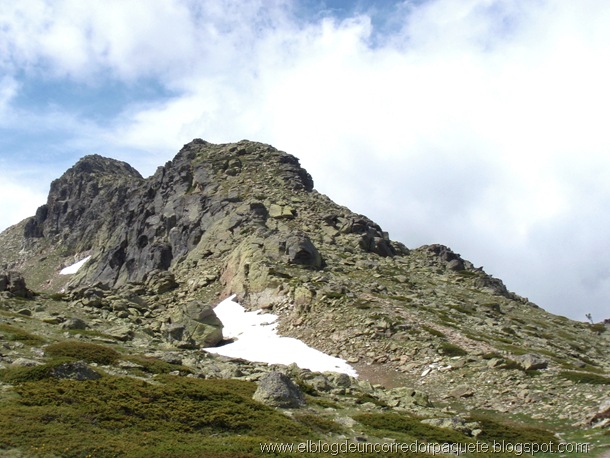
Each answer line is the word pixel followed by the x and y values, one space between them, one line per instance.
pixel 532 361
pixel 405 396
pixel 193 325
pixel 278 390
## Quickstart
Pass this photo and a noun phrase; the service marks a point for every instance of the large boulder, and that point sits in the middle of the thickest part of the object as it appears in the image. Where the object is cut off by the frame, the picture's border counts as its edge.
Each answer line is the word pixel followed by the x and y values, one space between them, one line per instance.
pixel 14 283
pixel 277 390
pixel 193 325
pixel 300 250
pixel 531 361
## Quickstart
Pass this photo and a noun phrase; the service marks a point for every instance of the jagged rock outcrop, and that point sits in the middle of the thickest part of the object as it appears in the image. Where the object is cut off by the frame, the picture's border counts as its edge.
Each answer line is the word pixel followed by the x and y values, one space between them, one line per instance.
pixel 14 283
pixel 85 203
pixel 203 204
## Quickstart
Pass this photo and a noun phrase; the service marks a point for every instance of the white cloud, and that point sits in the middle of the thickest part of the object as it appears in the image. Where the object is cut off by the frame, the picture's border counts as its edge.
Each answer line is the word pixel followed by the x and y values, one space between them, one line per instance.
pixel 8 89
pixel 475 123
pixel 17 200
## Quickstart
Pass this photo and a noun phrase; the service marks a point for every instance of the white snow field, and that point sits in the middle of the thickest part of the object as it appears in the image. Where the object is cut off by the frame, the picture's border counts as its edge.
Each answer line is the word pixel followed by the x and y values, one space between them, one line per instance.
pixel 70 270
pixel 256 339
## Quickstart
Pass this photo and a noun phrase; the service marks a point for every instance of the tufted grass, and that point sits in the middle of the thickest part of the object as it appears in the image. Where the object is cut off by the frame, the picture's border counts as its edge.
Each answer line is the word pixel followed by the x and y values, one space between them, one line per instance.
pixel 585 377
pixel 15 334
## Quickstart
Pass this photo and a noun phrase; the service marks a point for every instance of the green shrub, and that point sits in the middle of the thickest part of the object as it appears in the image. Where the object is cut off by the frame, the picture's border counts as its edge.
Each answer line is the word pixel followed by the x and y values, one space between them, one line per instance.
pixel 467 273
pixel 410 426
pixel 449 349
pixel 491 355
pixel 508 330
pixel 598 328
pixel 123 416
pixel 91 353
pixel 318 423
pixel 18 375
pixel 509 431
pixel 432 331
pixel 585 377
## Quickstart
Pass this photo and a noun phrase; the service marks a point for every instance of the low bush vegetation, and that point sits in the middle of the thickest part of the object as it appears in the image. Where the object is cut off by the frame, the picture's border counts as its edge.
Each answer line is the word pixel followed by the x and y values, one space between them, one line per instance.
pixel 18 375
pixel 409 427
pixel 157 366
pixel 91 353
pixel 510 432
pixel 585 377
pixel 13 333
pixel 123 416
pixel 449 349
pixel 433 331
pixel 318 423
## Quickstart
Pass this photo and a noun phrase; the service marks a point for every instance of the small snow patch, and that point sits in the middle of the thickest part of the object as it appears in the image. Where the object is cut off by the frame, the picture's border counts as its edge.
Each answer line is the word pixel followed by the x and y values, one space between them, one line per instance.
pixel 70 270
pixel 257 340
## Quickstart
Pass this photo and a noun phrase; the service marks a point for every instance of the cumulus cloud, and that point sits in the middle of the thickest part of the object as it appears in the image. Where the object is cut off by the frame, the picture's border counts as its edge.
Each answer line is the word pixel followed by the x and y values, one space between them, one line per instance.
pixel 474 123
pixel 18 200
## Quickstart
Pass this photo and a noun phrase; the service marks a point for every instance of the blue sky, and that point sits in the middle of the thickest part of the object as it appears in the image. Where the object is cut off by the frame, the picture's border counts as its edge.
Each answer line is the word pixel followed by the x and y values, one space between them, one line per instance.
pixel 479 124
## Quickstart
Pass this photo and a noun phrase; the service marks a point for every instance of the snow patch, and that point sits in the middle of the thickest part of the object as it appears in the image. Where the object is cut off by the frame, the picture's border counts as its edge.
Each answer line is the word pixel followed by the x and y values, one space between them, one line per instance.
pixel 257 340
pixel 70 270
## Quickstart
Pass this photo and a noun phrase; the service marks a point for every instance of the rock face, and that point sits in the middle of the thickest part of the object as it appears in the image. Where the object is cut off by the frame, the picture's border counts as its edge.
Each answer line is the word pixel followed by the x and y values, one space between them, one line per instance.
pixel 207 201
pixel 82 204
pixel 277 390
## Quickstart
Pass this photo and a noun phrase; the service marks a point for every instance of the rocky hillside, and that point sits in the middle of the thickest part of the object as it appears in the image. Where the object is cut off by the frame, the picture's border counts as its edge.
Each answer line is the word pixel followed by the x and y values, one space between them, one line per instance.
pixel 429 333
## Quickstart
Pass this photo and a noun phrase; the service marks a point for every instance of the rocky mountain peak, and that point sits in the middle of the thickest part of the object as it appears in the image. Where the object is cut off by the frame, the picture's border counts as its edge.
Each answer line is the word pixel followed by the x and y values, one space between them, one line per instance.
pixel 86 193
pixel 244 219
pixel 95 165
pixel 209 201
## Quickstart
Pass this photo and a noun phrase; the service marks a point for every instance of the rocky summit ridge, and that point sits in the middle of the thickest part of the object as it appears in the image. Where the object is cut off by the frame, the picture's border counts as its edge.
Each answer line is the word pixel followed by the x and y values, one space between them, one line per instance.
pixel 428 332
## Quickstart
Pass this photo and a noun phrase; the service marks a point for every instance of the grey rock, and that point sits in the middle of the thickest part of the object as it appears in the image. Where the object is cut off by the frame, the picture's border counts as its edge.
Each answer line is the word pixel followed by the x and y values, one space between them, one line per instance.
pixel 532 361
pixel 462 392
pixel 281 211
pixel 74 323
pixel 122 333
pixel 14 283
pixel 159 281
pixel 495 362
pixel 77 370
pixel 278 390
pixel 405 396
pixel 301 251
pixel 25 362
pixel 193 325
